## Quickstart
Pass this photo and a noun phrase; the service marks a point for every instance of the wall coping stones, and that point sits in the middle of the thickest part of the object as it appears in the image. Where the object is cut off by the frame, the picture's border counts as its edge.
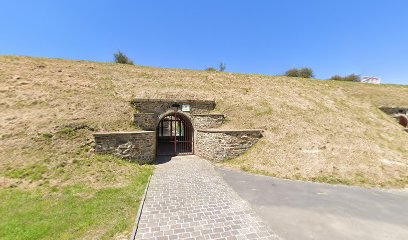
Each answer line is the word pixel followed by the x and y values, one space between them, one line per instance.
pixel 121 133
pixel 209 114
pixel 393 110
pixel 231 130
pixel 144 113
pixel 166 100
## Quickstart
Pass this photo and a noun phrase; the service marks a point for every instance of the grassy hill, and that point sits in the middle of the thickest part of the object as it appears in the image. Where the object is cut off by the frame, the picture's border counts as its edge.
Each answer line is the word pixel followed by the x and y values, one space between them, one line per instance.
pixel 323 131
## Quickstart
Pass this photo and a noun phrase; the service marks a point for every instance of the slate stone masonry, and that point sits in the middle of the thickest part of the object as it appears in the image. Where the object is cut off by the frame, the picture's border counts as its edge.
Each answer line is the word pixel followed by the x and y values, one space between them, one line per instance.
pixel 161 105
pixel 218 145
pixel 135 146
pixel 210 143
pixel 399 113
pixel 149 110
pixel 207 121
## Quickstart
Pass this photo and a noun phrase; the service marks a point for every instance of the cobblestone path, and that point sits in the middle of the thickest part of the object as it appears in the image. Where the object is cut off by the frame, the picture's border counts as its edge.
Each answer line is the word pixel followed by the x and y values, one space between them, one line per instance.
pixel 187 199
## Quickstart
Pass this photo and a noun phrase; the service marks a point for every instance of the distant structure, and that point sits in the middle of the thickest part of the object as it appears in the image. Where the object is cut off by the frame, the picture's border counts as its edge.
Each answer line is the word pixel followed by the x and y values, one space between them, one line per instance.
pixel 372 80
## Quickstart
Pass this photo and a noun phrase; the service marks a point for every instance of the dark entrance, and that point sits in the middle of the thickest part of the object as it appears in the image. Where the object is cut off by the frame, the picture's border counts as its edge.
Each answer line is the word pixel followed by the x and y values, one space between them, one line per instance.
pixel 175 135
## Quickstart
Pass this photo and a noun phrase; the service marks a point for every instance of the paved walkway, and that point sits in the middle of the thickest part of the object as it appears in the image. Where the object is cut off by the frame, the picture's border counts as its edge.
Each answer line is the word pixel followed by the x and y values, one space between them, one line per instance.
pixel 305 210
pixel 188 199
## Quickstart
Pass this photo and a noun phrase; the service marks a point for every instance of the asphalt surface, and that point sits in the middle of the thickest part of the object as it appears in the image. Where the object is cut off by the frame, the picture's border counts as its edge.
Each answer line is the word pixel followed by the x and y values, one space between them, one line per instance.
pixel 303 210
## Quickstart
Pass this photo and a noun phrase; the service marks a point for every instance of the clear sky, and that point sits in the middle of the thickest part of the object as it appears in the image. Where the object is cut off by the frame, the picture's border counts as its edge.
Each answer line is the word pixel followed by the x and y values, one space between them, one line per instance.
pixel 366 37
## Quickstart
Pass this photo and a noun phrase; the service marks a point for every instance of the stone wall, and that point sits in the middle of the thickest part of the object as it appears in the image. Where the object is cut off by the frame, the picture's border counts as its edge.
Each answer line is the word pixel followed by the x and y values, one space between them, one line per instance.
pixel 210 143
pixel 139 146
pixel 219 145
pixel 399 113
pixel 145 121
pixel 158 106
pixel 394 110
pixel 149 111
pixel 206 121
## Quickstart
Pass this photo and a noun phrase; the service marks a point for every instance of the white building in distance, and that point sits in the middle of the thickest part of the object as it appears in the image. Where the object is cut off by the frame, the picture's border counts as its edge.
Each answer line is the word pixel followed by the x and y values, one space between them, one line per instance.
pixel 373 80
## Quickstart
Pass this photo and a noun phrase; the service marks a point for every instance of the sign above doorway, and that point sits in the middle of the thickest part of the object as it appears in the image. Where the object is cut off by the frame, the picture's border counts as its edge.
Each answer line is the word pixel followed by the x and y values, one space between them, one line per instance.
pixel 185 108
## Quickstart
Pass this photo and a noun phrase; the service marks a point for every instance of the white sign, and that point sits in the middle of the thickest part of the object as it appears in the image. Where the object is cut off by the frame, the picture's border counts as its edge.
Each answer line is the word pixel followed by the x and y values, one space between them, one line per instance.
pixel 373 80
pixel 185 108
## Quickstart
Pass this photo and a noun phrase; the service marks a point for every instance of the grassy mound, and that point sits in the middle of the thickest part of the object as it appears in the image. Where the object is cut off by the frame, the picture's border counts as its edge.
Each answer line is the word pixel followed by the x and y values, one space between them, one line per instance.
pixel 329 131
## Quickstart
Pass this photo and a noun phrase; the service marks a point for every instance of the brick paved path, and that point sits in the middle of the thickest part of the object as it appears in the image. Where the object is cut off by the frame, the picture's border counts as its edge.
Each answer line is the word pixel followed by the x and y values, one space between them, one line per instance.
pixel 187 199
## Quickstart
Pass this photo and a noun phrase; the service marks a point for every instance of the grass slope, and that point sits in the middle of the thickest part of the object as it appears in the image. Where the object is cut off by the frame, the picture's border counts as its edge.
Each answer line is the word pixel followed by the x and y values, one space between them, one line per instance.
pixel 314 130
pixel 72 212
pixel 51 185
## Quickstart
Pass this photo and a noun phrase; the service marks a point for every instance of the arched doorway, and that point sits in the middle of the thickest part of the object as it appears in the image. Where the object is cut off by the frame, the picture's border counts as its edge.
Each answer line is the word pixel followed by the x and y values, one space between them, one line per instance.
pixel 175 135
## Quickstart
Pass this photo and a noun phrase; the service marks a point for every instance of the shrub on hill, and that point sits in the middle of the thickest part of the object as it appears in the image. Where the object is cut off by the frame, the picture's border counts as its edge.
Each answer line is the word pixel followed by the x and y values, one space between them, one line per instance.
pixel 122 58
pixel 211 69
pixel 337 78
pixel 221 68
pixel 294 72
pixel 350 78
pixel 302 73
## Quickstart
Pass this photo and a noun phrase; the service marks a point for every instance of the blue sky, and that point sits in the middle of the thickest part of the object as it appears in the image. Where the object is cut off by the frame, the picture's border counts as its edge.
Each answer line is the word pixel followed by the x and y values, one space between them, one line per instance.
pixel 366 37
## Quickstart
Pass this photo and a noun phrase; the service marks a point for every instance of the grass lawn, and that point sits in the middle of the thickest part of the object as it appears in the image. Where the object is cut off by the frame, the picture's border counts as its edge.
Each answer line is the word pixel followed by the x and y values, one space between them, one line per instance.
pixel 75 211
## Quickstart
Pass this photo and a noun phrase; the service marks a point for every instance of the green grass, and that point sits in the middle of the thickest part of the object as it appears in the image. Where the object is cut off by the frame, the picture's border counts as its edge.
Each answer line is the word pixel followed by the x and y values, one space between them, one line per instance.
pixel 33 172
pixel 75 211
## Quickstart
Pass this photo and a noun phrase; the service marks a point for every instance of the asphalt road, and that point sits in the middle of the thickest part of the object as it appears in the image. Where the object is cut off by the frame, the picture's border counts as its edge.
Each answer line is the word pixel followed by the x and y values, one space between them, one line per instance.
pixel 303 210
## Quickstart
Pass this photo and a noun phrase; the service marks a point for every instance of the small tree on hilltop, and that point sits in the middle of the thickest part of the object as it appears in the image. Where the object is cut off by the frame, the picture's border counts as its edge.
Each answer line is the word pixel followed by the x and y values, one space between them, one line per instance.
pixel 306 73
pixel 294 72
pixel 122 58
pixel 337 78
pixel 352 78
pixel 301 73
pixel 222 67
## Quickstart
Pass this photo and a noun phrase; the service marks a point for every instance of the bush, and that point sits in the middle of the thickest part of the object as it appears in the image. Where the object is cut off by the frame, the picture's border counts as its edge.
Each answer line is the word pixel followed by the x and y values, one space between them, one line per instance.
pixel 294 72
pixel 211 69
pixel 302 73
pixel 306 73
pixel 350 78
pixel 122 58
pixel 221 68
pixel 337 78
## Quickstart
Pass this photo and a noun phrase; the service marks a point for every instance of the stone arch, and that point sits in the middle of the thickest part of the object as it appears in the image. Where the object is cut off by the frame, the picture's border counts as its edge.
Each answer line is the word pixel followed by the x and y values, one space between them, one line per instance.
pixel 174 134
pixel 172 112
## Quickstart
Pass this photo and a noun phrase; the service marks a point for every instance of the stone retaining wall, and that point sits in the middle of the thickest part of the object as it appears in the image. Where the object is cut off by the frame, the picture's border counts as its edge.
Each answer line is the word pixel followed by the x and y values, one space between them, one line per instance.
pixel 139 146
pixel 399 113
pixel 145 121
pixel 394 110
pixel 219 145
pixel 150 110
pixel 161 105
pixel 206 121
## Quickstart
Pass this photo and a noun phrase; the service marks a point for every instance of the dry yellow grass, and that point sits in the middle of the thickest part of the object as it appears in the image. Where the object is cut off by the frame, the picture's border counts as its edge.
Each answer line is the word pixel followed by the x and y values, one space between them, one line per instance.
pixel 314 130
